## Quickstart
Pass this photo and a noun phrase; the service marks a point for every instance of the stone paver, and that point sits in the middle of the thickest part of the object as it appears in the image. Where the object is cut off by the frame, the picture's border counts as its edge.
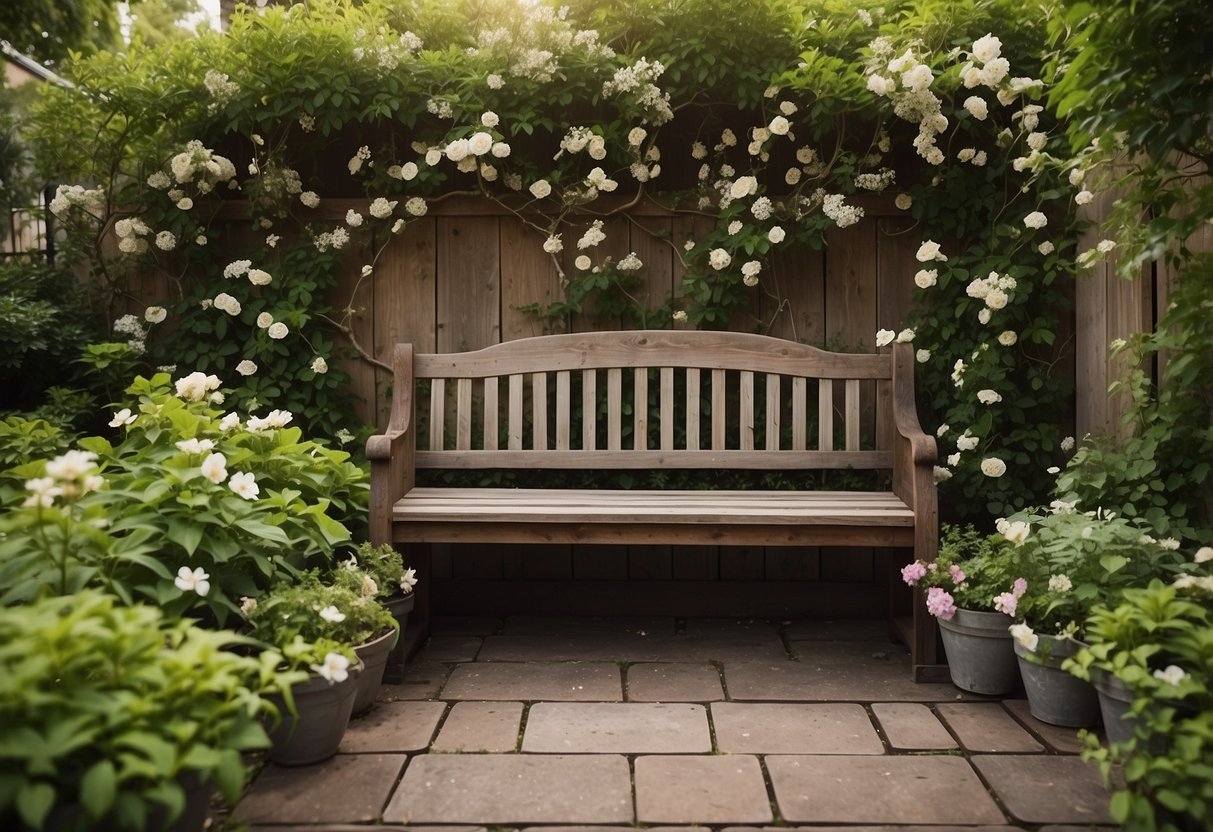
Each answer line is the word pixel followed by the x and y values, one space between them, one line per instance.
pixel 465 625
pixel 609 728
pixel 1061 740
pixel 874 681
pixel 846 630
pixel 559 625
pixel 1046 789
pixel 422 680
pixel 674 682
pixel 888 789
pixel 348 788
pixel 393 726
pixel 835 728
pixel 701 790
pixel 635 647
pixel 986 727
pixel 912 727
pixel 897 828
pixel 480 726
pixel 501 789
pixel 832 653
pixel 573 682
pixel 451 649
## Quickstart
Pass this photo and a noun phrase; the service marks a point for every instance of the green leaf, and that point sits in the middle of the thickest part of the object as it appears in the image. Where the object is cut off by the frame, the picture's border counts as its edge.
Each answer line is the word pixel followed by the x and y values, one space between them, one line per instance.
pixel 97 788
pixel 34 802
pixel 186 535
pixel 1113 563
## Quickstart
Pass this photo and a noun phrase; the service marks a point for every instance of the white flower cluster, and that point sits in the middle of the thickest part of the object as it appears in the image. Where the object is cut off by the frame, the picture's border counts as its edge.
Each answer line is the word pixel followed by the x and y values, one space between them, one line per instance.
pixel 834 206
pixel 69 196
pixel 69 476
pixel 578 139
pixel 131 232
pixel 382 208
pixel 592 236
pixel 384 51
pixel 875 181
pixel 335 239
pixel 196 386
pixel 202 167
pixel 226 303
pixel 996 290
pixel 271 421
pixel 222 88
pixel 630 263
pixel 638 80
pixel 133 327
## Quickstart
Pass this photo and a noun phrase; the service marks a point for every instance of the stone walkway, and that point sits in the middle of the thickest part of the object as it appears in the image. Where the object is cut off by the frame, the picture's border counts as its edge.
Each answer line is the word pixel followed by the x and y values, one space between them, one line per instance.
pixel 655 722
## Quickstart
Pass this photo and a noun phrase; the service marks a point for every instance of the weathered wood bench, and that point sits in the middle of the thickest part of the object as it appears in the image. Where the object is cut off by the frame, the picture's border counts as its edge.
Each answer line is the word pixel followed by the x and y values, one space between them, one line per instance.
pixel 767 404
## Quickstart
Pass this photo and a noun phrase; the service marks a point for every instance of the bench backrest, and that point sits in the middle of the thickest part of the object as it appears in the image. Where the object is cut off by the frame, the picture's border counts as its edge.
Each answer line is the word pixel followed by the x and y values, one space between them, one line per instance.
pixel 673 399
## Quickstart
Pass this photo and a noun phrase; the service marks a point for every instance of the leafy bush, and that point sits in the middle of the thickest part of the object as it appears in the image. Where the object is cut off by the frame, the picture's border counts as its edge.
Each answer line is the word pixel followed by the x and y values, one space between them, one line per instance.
pixel 316 612
pixel 105 710
pixel 191 510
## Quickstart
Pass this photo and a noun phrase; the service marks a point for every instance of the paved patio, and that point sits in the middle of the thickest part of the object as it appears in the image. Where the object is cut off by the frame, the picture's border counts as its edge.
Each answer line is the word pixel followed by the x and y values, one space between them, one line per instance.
pixel 528 721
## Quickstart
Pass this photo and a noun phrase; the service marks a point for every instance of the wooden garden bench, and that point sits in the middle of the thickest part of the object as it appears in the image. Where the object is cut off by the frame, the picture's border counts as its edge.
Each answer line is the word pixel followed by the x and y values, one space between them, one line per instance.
pixel 698 400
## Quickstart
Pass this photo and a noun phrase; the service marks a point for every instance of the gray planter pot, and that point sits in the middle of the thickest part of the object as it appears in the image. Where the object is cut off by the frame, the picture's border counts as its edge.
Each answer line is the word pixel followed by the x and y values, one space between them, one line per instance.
pixel 399 606
pixel 981 658
pixel 315 733
pixel 373 655
pixel 1115 699
pixel 1055 696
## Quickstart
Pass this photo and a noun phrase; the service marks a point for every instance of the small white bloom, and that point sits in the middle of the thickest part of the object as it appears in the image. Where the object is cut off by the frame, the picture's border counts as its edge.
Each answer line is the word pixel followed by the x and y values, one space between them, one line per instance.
pixel 905 336
pixel 193 580
pixel 1203 555
pixel 942 474
pixel 277 330
pixel 926 278
pixel 1169 543
pixel 988 396
pixel 719 259
pixel 245 485
pixel 680 315
pixel 489 119
pixel 230 421
pixel 1067 444
pixel 319 365
pixel 922 356
pixel 540 189
pixel 776 234
pixel 264 320
pixel 247 605
pixel 1025 636
pixel 977 107
pixel 352 218
pixel 1173 675
pixel 583 262
pixel 1060 583
pixel 408 580
pixel 929 251
pixel 194 445
pixel 942 429
pixel 779 126
pixel 336 668
pixel 479 144
pixel 954 459
pixel 1035 220
pixel 993 467
pixel 743 187
pixel 903 202
pixel 122 417
pixel 1008 338
pixel 885 337
pixel 416 206
pixel 332 615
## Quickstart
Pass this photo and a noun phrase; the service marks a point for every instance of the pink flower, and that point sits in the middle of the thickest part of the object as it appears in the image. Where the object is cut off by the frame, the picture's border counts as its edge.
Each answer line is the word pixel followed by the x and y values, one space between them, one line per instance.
pixel 958 575
pixel 1006 603
pixel 940 604
pixel 1019 587
pixel 913 572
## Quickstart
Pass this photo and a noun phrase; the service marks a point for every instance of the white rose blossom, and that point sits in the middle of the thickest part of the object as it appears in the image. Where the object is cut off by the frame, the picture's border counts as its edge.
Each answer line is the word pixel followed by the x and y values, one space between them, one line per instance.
pixel 993 467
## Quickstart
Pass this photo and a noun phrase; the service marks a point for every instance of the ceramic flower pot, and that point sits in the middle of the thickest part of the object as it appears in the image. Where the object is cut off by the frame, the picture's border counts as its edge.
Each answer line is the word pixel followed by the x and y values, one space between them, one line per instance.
pixel 1054 696
pixel 399 606
pixel 1115 701
pixel 315 732
pixel 981 658
pixel 373 655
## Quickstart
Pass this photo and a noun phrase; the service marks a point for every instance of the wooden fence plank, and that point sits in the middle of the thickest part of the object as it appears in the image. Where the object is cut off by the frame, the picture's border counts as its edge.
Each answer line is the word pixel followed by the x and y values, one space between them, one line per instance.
pixel 469 285
pixel 528 275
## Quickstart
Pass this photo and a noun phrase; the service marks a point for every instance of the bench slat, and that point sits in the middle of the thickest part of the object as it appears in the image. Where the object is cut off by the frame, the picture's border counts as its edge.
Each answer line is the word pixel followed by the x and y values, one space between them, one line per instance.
pixel 640 409
pixel 852 414
pixel 667 408
pixel 693 391
pixel 589 409
pixel 564 409
pixel 437 412
pixel 799 413
pixel 490 413
pixel 539 411
pixel 825 414
pixel 614 409
pixel 704 459
pixel 515 413
pixel 773 403
pixel 719 415
pixel 745 416
pixel 463 414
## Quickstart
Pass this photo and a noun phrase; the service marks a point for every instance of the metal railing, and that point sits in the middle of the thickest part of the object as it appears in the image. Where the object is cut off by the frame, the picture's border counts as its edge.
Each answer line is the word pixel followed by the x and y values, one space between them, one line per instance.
pixel 29 231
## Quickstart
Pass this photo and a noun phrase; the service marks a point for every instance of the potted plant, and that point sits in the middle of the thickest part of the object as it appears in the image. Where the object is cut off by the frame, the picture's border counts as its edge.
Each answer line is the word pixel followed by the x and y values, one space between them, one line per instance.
pixel 972 588
pixel 1077 561
pixel 322 627
pixel 393 585
pixel 1158 643
pixel 116 718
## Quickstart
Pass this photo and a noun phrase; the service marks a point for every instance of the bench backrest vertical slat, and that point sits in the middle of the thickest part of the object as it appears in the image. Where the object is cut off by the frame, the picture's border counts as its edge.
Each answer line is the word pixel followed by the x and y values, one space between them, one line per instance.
pixel 539 411
pixel 693 391
pixel 490 413
pixel 437 413
pixel 719 415
pixel 667 408
pixel 852 414
pixel 614 409
pixel 773 404
pixel 745 416
pixel 463 414
pixel 799 416
pixel 589 409
pixel 564 409
pixel 825 414
pixel 640 408
pixel 515 413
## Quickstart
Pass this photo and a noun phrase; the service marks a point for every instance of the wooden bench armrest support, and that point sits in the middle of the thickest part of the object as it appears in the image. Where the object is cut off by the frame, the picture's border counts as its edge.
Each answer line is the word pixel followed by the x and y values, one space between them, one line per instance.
pixel 914 456
pixel 392 454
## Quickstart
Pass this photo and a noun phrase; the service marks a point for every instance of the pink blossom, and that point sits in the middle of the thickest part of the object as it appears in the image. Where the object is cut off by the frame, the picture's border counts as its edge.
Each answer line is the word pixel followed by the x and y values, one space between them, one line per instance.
pixel 1019 587
pixel 940 604
pixel 958 575
pixel 1006 603
pixel 913 572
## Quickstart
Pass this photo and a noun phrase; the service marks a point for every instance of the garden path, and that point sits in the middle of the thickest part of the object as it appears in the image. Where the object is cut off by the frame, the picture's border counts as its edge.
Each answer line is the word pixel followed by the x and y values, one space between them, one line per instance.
pixel 528 721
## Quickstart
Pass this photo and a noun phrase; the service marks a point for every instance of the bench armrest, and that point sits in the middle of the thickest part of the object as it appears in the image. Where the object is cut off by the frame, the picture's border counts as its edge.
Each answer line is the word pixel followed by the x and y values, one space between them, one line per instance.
pixel 914 456
pixel 392 454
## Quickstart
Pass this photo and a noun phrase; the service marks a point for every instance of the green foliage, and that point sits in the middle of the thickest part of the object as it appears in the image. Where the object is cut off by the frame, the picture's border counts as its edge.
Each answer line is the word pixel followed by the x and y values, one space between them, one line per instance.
pixel 973 567
pixel 310 609
pixel 104 713
pixel 23 438
pixel 382 564
pixel 189 511
pixel 49 30
pixel 1158 640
